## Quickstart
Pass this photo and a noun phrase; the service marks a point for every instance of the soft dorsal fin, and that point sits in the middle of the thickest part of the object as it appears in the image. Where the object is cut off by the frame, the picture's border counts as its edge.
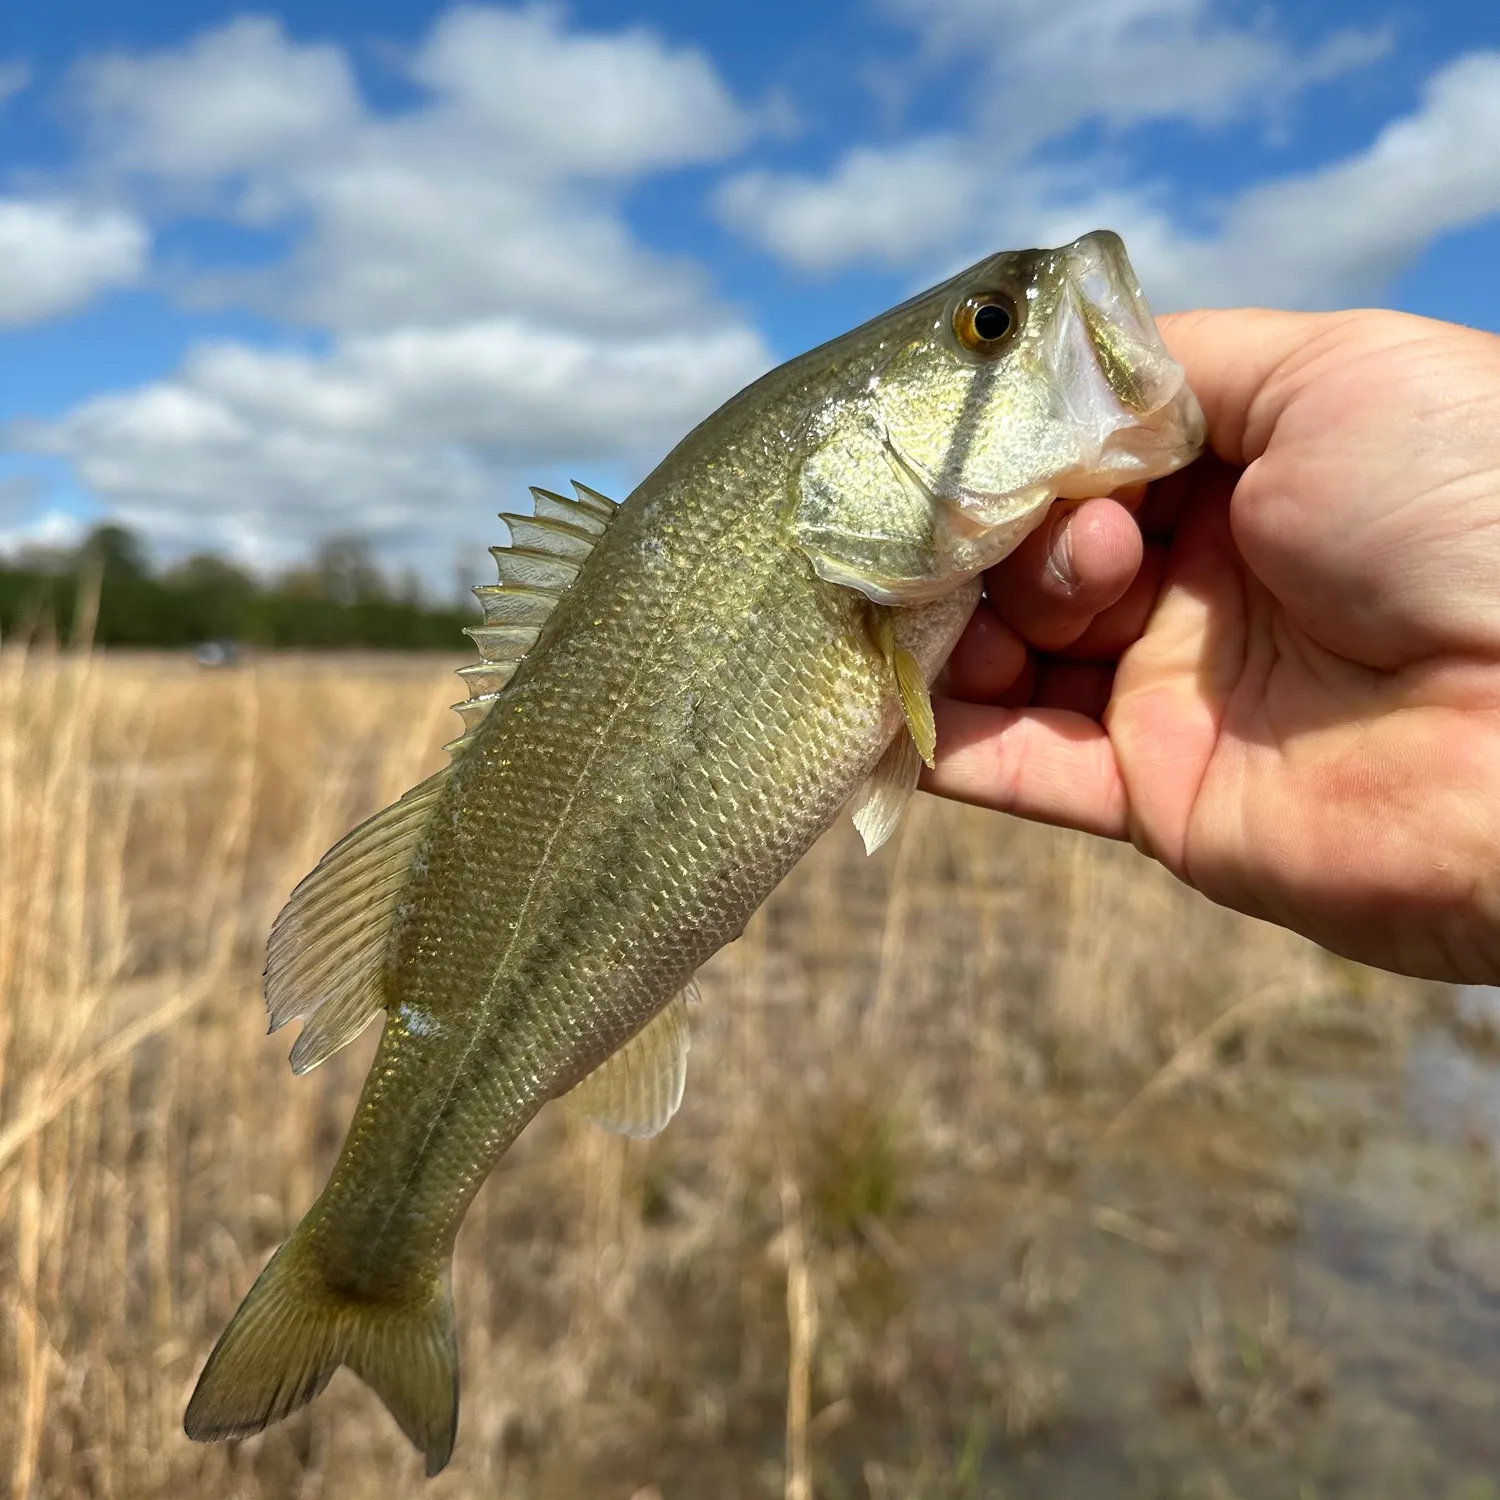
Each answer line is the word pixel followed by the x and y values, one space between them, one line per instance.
pixel 544 555
pixel 325 963
pixel 637 1089
pixel 326 960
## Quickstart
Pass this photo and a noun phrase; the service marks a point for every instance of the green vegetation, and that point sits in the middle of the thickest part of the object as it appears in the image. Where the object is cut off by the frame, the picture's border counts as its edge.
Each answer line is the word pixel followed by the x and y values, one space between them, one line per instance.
pixel 342 599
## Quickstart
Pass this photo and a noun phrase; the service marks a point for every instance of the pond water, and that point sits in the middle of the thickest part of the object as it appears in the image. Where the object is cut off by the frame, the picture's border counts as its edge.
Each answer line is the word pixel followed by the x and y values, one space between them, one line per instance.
pixel 1242 1314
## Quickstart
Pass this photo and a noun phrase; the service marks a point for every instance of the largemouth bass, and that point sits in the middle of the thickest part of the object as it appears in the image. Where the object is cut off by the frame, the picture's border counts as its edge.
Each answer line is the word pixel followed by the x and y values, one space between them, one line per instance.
pixel 677 696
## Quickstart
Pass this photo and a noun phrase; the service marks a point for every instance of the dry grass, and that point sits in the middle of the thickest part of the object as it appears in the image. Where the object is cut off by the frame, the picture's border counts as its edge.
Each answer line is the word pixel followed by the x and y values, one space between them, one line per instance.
pixel 729 1302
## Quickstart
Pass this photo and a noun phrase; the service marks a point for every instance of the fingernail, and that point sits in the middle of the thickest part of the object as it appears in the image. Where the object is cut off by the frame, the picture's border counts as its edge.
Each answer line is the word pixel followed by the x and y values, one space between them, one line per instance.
pixel 1060 552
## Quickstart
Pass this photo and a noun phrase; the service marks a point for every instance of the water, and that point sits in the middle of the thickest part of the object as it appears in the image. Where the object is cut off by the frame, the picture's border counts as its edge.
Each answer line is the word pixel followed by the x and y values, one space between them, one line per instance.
pixel 1307 1310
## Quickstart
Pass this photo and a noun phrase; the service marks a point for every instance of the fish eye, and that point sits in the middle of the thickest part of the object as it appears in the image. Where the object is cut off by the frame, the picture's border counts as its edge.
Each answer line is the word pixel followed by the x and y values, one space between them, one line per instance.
pixel 985 322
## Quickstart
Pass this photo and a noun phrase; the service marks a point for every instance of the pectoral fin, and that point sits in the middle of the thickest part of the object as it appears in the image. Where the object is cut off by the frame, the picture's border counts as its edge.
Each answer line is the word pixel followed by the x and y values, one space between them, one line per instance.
pixel 638 1089
pixel 911 686
pixel 879 803
pixel 916 704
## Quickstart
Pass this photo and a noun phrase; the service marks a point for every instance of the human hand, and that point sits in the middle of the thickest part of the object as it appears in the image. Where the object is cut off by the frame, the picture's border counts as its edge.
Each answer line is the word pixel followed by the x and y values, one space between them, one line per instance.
pixel 1278 672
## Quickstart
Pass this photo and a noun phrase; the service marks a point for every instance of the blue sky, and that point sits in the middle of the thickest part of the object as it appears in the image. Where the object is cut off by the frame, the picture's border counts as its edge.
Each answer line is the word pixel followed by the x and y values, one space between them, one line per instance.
pixel 269 276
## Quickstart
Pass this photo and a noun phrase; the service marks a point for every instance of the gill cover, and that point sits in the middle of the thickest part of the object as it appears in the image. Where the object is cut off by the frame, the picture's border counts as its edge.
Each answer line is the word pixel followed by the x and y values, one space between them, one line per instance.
pixel 942 461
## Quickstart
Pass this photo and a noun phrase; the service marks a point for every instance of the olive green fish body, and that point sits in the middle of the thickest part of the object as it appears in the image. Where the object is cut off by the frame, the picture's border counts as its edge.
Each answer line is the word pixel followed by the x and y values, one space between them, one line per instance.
pixel 652 772
pixel 677 697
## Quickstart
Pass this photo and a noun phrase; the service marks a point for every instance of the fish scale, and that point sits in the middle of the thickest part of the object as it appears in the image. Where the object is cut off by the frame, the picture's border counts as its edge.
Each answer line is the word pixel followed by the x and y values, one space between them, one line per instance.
pixel 618 883
pixel 719 666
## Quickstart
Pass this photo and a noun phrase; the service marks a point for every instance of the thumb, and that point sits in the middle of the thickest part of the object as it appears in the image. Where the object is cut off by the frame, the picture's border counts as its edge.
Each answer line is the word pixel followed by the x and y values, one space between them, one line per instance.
pixel 1243 364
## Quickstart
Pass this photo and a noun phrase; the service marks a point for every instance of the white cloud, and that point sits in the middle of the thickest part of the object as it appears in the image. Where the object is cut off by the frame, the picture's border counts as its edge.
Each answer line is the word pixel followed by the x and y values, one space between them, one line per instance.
pixel 591 104
pixel 1042 66
pixel 889 206
pixel 413 233
pixel 1331 237
pixel 18 493
pixel 55 255
pixel 54 531
pixel 230 100
pixel 1345 231
pixel 22 529
pixel 408 437
pixel 1033 71
pixel 497 193
pixel 490 314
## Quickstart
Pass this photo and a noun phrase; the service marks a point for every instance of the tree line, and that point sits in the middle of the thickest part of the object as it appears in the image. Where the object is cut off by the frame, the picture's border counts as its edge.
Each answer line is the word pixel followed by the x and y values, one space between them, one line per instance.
pixel 106 591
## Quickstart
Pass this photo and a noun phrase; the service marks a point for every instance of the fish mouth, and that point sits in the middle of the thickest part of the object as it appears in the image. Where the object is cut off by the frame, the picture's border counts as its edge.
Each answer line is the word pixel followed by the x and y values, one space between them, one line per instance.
pixel 1113 384
pixel 1113 377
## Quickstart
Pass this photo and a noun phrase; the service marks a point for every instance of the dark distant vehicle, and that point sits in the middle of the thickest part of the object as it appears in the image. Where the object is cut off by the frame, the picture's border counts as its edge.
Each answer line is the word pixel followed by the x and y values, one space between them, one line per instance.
pixel 219 653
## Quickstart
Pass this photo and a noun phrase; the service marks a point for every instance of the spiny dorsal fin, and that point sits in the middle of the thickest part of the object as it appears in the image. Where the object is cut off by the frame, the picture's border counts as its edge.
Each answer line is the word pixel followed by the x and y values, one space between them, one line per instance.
pixel 545 553
pixel 879 803
pixel 637 1089
pixel 550 506
pixel 326 959
pixel 601 505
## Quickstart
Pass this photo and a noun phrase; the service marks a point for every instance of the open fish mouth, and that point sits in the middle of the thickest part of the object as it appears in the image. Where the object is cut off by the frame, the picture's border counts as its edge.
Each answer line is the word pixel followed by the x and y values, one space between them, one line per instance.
pixel 1113 384
pixel 1113 376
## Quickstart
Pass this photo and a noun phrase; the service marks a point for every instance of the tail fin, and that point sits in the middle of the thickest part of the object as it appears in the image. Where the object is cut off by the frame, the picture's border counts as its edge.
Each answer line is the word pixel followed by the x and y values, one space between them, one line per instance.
pixel 293 1331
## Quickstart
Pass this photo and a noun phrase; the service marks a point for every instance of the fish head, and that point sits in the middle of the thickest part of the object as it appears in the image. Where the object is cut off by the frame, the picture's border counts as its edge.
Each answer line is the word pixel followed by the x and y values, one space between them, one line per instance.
pixel 965 412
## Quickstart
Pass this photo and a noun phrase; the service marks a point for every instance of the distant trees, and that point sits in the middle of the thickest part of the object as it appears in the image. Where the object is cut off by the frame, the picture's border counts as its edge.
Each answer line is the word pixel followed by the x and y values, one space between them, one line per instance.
pixel 107 591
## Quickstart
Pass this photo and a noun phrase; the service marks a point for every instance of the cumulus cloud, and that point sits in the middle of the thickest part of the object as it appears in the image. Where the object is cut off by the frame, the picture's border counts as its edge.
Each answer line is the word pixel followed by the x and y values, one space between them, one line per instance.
pixel 56 254
pixel 400 436
pixel 55 531
pixel 231 100
pixel 498 192
pixel 18 493
pixel 1347 230
pixel 408 233
pixel 1033 72
pixel 22 529
pixel 488 307
pixel 596 105
pixel 1039 67
pixel 887 206
pixel 1331 237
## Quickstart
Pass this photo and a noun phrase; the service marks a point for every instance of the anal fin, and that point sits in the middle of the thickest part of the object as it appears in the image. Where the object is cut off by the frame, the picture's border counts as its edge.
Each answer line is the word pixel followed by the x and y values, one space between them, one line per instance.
pixel 638 1088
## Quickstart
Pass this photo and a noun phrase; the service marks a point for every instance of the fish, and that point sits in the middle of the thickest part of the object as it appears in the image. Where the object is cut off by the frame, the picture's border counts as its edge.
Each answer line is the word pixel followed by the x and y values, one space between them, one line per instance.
pixel 676 697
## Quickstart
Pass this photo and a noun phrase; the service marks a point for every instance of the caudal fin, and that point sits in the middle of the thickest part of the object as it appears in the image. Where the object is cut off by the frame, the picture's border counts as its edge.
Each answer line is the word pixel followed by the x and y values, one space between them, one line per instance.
pixel 292 1332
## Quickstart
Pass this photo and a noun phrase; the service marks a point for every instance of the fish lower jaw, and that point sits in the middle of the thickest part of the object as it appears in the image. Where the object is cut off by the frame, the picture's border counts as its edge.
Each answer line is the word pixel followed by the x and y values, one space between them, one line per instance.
pixel 1139 454
pixel 1086 484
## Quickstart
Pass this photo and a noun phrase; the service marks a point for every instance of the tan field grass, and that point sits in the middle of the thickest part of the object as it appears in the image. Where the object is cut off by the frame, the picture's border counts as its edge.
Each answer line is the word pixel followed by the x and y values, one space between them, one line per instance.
pixel 964 1015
